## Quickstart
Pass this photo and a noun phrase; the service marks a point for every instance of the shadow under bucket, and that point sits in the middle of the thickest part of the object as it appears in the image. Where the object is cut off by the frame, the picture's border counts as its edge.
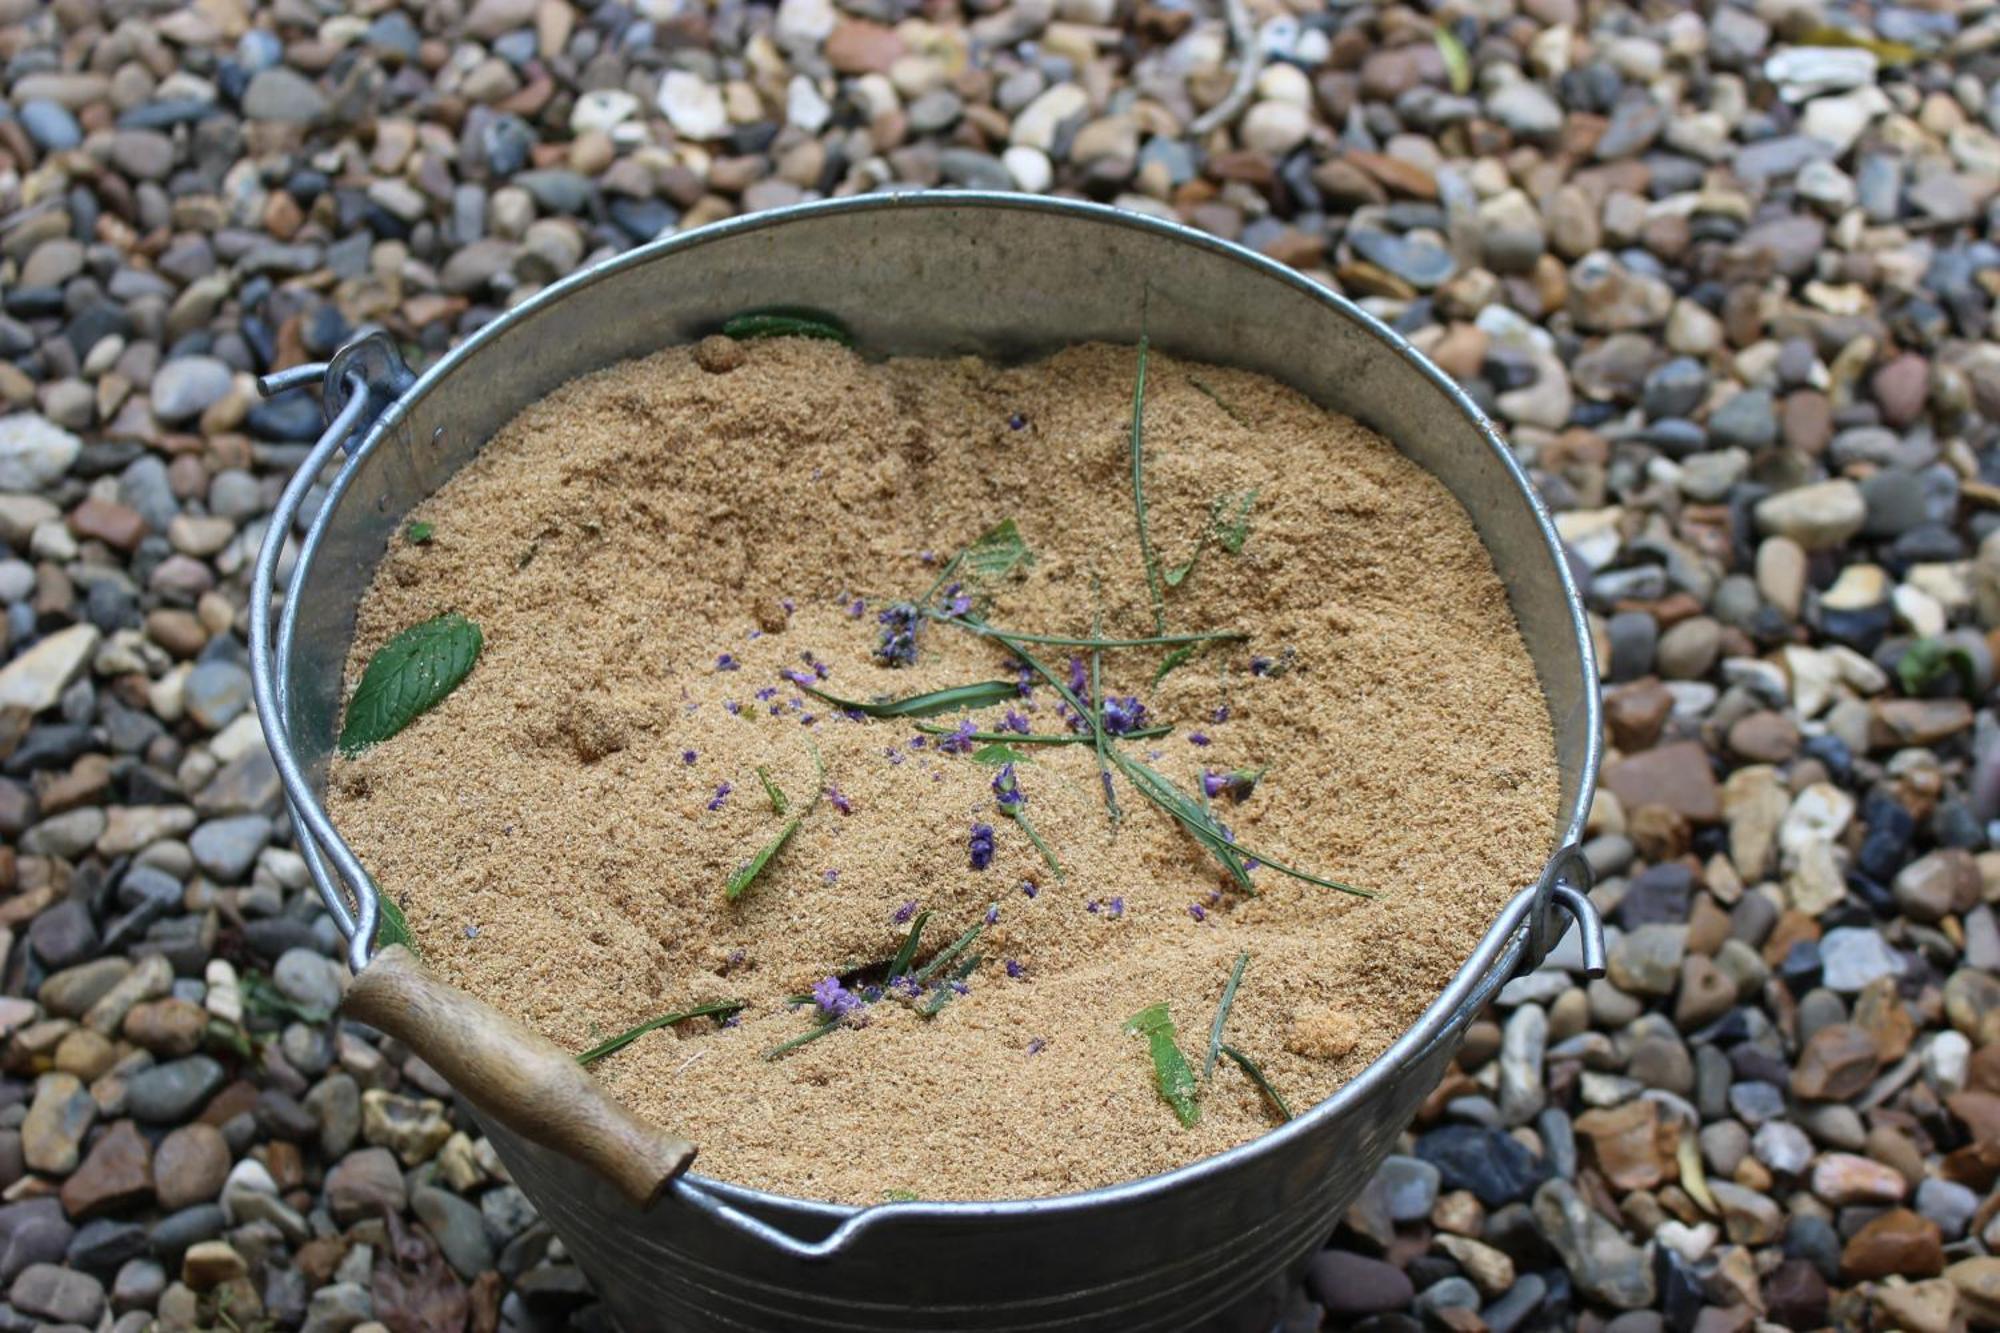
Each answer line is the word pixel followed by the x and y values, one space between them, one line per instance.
pixel 1004 277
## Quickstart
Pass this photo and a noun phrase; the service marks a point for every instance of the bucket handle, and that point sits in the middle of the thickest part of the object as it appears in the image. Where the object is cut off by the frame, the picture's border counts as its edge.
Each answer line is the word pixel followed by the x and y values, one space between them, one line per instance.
pixel 509 1072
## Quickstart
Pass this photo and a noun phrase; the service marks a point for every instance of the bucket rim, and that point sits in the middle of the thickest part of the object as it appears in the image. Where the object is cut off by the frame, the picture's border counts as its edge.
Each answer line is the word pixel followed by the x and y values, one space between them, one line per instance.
pixel 1524 914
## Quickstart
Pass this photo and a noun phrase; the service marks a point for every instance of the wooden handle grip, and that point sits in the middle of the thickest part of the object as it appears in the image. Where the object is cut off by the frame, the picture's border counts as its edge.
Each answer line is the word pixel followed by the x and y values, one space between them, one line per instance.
pixel 518 1077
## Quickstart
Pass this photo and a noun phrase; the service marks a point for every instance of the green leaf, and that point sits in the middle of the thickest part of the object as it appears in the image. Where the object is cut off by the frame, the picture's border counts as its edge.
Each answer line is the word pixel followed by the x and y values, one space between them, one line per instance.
pixel 418 533
pixel 985 630
pixel 1457 64
pixel 263 999
pixel 900 1196
pixel 1927 660
pixel 1889 53
pixel 787 322
pixel 1171 1074
pixel 1177 658
pixel 392 927
pixel 907 954
pixel 718 1008
pixel 407 677
pixel 1237 531
pixel 1178 573
pixel 749 871
pixel 1222 1014
pixel 1249 1066
pixel 977 695
pixel 999 753
pixel 999 551
pixel 1020 816
pixel 796 1042
pixel 1139 492
pixel 771 789
pixel 951 951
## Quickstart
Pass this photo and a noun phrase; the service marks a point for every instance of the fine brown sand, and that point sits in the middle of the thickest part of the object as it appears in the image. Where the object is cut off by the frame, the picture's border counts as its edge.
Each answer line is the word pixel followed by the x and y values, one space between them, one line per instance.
pixel 547 831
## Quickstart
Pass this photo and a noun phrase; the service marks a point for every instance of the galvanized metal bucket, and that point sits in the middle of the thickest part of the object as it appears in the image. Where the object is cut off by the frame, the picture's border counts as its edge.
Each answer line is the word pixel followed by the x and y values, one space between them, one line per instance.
pixel 1004 277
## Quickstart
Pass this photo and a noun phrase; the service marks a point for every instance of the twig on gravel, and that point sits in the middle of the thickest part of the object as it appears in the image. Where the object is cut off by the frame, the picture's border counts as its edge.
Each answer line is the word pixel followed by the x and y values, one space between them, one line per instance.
pixel 1250 59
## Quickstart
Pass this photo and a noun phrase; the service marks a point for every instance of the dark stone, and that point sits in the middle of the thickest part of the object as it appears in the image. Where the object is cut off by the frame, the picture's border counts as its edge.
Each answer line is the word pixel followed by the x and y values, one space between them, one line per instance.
pixel 174 1233
pixel 1657 895
pixel 33 1231
pixel 1351 1286
pixel 1490 1163
pixel 101 1245
pixel 1795 1295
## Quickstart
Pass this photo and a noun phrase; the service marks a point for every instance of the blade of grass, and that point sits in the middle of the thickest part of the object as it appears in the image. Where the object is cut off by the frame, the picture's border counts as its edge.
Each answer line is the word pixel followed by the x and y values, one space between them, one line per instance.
pixel 1091 640
pixel 1178 657
pixel 951 951
pixel 796 1042
pixel 1015 813
pixel 1249 1067
pixel 1207 828
pixel 905 955
pixel 720 1008
pixel 1208 813
pixel 1139 492
pixel 977 695
pixel 946 993
pixel 1171 1075
pixel 1216 398
pixel 1040 737
pixel 1222 1014
pixel 1096 702
pixel 749 870
pixel 778 802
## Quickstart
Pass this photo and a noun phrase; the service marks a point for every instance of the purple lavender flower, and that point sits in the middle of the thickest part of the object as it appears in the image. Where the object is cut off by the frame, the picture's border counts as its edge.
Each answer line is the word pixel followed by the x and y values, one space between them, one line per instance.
pixel 1079 679
pixel 1261 666
pixel 898 645
pixel 1025 686
pixel 735 709
pixel 1124 715
pixel 1028 887
pixel 835 1000
pixel 993 914
pixel 1015 970
pixel 1220 715
pixel 840 802
pixel 768 693
pixel 1197 911
pixel 1007 790
pixel 857 608
pixel 1115 908
pixel 722 791
pixel 1213 784
pixel 1197 738
pixel 960 988
pixel 981 846
pixel 831 876
pixel 905 912
pixel 688 756
pixel 727 663
pixel 1015 722
pixel 798 678
pixel 906 985
pixel 960 741
pixel 1036 1046
pixel 1017 422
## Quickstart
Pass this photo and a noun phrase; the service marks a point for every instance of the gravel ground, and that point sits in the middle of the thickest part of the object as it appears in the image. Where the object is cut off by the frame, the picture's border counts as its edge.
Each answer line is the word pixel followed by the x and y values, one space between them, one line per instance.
pixel 1723 274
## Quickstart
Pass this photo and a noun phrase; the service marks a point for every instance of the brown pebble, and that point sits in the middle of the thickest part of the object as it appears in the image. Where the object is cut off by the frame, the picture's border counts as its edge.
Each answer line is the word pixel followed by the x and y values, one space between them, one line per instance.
pixel 1836 1064
pixel 1897 1242
pixel 718 355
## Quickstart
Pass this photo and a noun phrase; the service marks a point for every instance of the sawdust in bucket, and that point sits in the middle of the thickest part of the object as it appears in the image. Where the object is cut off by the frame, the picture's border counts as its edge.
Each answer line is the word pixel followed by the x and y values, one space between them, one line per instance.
pixel 661 553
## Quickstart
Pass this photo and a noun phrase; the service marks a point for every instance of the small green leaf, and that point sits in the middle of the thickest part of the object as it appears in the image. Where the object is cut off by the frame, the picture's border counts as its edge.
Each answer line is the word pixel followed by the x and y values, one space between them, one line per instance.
pixel 408 676
pixel 418 533
pixel 1457 65
pixel 1171 1074
pixel 754 867
pixel 392 927
pixel 787 322
pixel 1927 660
pixel 1178 573
pixel 1177 658
pixel 999 551
pixel 1249 1066
pixel 999 753
pixel 228 1037
pixel 1222 1014
pixel 779 805
pixel 1237 531
pixel 900 1196
pixel 718 1008
pixel 977 695
pixel 263 999
pixel 907 954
